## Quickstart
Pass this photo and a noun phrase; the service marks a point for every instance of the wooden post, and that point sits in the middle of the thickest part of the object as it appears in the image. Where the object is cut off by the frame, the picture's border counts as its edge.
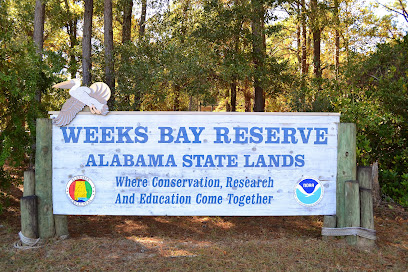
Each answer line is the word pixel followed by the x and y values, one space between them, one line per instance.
pixel 329 222
pixel 346 166
pixel 61 226
pixel 29 183
pixel 365 180
pixel 376 192
pixel 28 209
pixel 43 178
pixel 352 207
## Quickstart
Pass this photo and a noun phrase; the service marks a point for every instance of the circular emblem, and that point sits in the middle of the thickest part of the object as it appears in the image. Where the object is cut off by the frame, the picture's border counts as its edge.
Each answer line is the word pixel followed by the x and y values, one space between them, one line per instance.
pixel 80 190
pixel 309 192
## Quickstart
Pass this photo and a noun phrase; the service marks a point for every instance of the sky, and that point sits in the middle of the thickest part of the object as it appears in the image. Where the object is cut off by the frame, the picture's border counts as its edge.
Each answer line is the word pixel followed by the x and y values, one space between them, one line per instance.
pixel 381 11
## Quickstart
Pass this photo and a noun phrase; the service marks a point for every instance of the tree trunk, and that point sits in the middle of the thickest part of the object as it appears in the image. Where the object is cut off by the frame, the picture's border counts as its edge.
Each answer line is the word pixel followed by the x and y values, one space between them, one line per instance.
pixel 227 102
pixel 233 95
pixel 73 41
pixel 190 103
pixel 308 48
pixel 39 18
pixel 127 6
pixel 304 38
pixel 176 101
pixel 316 31
pixel 177 86
pixel 337 57
pixel 247 97
pixel 73 63
pixel 299 47
pixel 142 23
pixel 86 43
pixel 108 43
pixel 142 27
pixel 317 69
pixel 38 36
pixel 234 83
pixel 337 38
pixel 127 21
pixel 258 52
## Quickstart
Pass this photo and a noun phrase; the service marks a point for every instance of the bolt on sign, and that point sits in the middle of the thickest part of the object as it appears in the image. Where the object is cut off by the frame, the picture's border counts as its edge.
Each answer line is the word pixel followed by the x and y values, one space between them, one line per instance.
pixel 175 163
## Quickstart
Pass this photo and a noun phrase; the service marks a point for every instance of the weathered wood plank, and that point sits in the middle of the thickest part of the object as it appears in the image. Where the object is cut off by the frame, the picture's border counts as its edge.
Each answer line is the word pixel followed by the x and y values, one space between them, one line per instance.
pixel 29 223
pixel 376 185
pixel 346 166
pixel 43 178
pixel 364 174
pixel 352 207
pixel 29 183
pixel 208 113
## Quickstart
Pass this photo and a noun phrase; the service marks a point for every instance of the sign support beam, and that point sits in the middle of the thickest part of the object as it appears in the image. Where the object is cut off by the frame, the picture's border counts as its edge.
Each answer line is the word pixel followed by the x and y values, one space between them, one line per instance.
pixel 43 182
pixel 346 167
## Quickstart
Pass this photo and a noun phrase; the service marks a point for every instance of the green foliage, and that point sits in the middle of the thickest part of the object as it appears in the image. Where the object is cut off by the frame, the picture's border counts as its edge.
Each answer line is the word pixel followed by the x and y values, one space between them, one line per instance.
pixel 384 77
pixel 162 74
pixel 374 96
pixel 23 77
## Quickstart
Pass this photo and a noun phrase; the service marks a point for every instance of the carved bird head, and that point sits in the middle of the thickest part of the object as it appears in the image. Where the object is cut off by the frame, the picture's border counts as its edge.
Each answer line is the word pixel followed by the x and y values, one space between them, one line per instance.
pixel 68 84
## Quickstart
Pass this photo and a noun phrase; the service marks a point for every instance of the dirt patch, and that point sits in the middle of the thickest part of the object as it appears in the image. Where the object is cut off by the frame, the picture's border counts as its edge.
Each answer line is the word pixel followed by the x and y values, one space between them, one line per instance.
pixel 192 243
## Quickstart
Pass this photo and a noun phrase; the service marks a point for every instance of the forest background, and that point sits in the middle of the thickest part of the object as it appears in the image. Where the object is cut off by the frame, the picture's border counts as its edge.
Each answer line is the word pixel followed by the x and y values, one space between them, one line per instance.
pixel 234 55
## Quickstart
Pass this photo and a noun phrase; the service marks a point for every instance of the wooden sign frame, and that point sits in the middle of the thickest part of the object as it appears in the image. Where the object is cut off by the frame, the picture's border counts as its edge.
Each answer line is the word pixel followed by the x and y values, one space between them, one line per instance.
pixel 46 218
pixel 177 163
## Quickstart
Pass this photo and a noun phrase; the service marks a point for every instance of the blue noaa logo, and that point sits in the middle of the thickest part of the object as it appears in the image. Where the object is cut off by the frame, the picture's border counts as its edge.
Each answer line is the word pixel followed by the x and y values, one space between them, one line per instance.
pixel 309 192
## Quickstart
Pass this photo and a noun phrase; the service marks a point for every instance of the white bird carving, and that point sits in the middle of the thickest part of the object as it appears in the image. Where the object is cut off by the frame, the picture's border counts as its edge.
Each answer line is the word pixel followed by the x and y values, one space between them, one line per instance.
pixel 95 97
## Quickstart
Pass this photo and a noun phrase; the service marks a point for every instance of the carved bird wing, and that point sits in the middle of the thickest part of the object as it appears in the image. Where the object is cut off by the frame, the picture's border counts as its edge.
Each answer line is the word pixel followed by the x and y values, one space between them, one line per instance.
pixel 82 94
pixel 69 110
pixel 101 92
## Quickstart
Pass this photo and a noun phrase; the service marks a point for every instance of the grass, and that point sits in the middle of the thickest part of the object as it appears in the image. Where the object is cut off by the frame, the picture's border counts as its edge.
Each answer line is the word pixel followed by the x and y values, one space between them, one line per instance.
pixel 124 243
pixel 169 254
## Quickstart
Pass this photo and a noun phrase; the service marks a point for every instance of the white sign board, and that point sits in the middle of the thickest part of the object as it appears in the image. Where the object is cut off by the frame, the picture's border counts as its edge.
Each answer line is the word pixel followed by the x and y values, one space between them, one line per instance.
pixel 174 163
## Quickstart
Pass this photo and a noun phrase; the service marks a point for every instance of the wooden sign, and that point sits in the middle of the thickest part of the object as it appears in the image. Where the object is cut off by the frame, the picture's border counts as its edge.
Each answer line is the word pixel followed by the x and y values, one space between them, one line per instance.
pixel 177 163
